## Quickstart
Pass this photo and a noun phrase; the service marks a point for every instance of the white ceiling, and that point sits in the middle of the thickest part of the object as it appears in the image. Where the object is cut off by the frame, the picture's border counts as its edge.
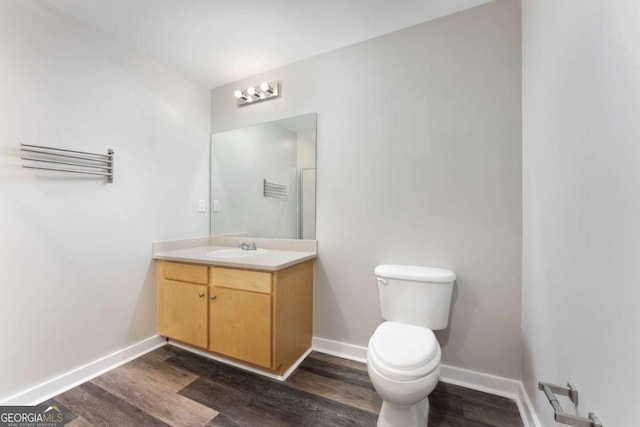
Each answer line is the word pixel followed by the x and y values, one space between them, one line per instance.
pixel 214 42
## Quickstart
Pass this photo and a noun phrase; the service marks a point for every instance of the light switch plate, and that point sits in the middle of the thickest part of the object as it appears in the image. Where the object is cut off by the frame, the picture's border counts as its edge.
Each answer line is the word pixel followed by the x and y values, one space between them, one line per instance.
pixel 202 205
pixel 216 205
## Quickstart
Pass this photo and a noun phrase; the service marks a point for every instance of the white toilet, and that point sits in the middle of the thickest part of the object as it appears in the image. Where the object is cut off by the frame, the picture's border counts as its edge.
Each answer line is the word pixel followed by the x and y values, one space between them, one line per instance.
pixel 403 357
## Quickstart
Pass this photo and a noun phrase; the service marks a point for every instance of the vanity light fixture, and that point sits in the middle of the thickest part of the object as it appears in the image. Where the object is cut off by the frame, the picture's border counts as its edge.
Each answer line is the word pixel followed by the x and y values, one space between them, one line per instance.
pixel 240 95
pixel 266 90
pixel 267 87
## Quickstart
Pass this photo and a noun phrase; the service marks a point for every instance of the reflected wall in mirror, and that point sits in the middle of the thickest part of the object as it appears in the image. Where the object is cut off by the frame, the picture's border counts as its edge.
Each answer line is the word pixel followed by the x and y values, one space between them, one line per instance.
pixel 263 179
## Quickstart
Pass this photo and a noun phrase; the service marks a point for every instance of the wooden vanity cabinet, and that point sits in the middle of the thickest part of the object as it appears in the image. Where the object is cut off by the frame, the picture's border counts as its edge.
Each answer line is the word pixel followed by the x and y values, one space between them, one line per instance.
pixel 259 317
pixel 240 325
pixel 182 302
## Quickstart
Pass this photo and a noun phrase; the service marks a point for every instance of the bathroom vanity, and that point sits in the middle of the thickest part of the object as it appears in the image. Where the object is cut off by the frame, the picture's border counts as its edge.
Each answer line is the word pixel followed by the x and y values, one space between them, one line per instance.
pixel 256 309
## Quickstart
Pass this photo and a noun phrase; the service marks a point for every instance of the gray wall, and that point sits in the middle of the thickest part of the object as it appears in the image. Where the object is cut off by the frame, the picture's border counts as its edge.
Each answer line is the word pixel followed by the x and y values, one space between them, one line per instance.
pixel 581 176
pixel 77 280
pixel 419 162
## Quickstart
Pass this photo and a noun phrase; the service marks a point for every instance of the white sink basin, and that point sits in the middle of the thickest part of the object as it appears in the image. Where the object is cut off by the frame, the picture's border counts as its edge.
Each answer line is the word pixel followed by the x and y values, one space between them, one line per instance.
pixel 235 253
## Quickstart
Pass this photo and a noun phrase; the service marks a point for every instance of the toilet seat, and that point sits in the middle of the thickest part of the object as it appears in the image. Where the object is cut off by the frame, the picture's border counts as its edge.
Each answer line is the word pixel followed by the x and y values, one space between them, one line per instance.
pixel 403 352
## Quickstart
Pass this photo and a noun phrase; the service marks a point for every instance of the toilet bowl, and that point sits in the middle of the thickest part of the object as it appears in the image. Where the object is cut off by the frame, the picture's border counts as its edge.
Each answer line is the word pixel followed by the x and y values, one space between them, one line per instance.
pixel 404 366
pixel 403 355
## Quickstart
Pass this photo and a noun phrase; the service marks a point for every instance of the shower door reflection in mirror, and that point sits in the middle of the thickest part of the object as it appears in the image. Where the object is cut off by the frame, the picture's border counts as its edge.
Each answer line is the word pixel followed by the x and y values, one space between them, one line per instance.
pixel 263 179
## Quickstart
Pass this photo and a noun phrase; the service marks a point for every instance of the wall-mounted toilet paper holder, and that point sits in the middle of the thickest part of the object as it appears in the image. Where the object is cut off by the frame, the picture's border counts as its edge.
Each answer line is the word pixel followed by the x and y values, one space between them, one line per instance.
pixel 559 415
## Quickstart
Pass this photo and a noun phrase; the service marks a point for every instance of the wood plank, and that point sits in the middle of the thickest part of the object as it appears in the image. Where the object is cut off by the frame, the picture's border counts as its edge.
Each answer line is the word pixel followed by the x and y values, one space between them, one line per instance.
pixel 337 371
pixel 131 384
pixel 267 403
pixel 236 404
pixel 242 395
pixel 240 325
pixel 246 280
pixel 441 418
pixel 163 374
pixel 223 421
pixel 182 272
pixel 161 354
pixel 439 399
pixel 495 413
pixel 79 422
pixel 204 367
pixel 346 363
pixel 476 406
pixel 362 398
pixel 293 313
pixel 101 408
pixel 182 312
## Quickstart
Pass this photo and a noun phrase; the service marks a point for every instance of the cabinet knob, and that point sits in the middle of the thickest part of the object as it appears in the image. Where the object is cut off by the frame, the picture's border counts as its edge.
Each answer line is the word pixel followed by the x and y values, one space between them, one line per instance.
pixel 213 298
pixel 200 294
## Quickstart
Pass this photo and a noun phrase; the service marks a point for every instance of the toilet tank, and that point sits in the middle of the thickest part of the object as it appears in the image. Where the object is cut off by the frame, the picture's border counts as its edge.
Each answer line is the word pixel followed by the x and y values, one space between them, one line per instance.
pixel 419 296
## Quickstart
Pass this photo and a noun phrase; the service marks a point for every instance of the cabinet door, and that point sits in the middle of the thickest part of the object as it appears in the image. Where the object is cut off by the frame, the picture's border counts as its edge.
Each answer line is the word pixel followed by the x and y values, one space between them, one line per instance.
pixel 240 325
pixel 182 311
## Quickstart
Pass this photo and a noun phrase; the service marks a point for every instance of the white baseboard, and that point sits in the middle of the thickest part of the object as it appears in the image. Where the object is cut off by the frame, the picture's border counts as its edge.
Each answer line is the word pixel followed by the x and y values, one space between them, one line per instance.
pixel 488 383
pixel 340 349
pixel 75 377
pixel 527 411
pixel 493 384
pixel 238 365
pixel 480 381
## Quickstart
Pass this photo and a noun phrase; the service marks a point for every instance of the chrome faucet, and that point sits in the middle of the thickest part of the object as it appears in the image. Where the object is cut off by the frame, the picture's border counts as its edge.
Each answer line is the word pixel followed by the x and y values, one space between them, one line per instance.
pixel 248 246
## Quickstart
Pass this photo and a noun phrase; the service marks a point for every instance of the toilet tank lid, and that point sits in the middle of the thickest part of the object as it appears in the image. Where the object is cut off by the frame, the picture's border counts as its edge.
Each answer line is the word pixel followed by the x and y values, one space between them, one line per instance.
pixel 416 273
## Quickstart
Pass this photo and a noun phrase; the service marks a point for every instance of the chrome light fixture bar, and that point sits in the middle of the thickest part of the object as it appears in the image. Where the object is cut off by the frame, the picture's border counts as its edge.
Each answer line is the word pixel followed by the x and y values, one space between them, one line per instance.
pixel 262 92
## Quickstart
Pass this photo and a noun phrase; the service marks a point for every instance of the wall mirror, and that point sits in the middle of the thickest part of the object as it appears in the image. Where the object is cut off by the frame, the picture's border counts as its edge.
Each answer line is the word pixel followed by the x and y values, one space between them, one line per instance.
pixel 263 179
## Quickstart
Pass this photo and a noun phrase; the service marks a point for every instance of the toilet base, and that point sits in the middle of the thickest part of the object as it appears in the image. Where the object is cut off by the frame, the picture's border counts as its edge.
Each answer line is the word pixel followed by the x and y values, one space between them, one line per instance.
pixel 404 416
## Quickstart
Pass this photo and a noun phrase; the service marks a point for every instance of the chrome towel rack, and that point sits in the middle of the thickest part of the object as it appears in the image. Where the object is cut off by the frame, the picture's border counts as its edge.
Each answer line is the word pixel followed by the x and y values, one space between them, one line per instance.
pixel 269 189
pixel 559 415
pixel 38 156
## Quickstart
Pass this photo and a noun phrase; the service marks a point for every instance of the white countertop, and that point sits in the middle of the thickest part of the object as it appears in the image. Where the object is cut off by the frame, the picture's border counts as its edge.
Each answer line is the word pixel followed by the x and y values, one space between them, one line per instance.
pixel 272 260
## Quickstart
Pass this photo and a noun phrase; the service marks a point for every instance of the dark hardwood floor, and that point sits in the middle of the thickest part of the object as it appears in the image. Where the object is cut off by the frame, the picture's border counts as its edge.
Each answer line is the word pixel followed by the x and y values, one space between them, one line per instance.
pixel 173 387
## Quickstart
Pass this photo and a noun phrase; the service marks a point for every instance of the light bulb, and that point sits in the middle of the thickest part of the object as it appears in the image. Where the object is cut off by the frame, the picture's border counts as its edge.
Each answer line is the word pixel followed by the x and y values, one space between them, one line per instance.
pixel 237 94
pixel 251 91
pixel 264 86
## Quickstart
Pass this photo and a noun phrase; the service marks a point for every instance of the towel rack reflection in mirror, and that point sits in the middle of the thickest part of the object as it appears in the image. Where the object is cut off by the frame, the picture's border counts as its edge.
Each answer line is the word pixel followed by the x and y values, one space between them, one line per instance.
pixel 269 189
